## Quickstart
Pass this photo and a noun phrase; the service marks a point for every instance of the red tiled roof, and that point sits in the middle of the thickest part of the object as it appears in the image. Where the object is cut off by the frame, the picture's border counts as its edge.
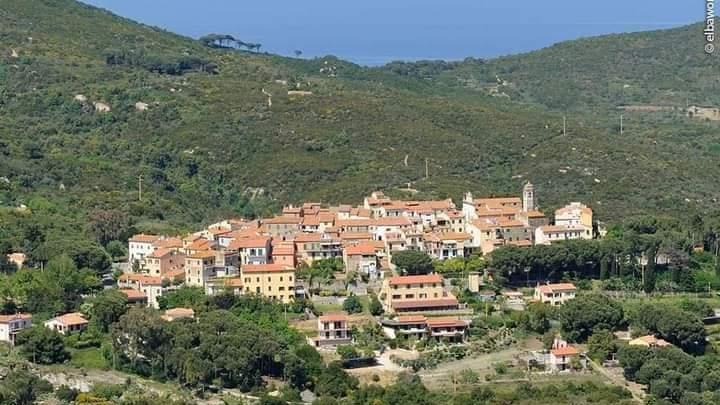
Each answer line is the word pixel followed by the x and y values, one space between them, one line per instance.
pixel 14 317
pixel 133 295
pixel 420 279
pixel 282 220
pixel 334 317
pixel 550 288
pixel 72 318
pixel 445 323
pixel 393 221
pixel 244 243
pixel 412 319
pixel 143 238
pixel 565 351
pixel 364 249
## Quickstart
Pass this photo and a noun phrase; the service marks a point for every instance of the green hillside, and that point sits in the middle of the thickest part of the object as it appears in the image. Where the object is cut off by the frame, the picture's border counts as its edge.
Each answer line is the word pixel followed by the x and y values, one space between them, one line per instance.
pixel 209 145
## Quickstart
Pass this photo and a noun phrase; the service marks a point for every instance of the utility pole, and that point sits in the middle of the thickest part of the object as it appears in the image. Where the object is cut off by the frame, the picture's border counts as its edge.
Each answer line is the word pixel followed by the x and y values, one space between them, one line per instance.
pixel 427 171
pixel 140 179
pixel 564 125
pixel 621 124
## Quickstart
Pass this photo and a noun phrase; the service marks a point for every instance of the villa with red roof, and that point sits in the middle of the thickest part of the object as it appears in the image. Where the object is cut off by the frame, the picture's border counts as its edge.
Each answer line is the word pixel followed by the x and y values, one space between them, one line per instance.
pixel 11 325
pixel 555 294
pixel 416 294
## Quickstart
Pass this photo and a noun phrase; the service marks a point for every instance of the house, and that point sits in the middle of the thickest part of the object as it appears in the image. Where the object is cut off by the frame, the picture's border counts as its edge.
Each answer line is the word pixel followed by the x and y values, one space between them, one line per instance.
pixel 475 281
pixel 310 247
pixel 649 341
pixel 68 324
pixel 252 250
pixel 178 313
pixel 561 358
pixel 272 280
pixel 163 261
pixel 448 329
pixel 151 286
pixel 11 325
pixel 284 253
pixel 447 245
pixel 555 294
pixel 17 258
pixel 282 227
pixel 333 330
pixel 199 268
pixel 547 234
pixel 139 246
pixel 575 214
pixel 418 327
pixel 416 293
pixel 361 258
pixel 220 285
pixel 135 297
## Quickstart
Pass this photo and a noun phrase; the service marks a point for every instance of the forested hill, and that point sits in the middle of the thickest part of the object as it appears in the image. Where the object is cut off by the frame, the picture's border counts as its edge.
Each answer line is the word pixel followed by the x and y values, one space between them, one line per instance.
pixel 665 67
pixel 90 101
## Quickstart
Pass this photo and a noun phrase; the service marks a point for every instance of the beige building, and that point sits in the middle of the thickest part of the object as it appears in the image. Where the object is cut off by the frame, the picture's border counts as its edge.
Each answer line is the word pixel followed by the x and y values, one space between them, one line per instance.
pixel 270 280
pixel 67 324
pixel 163 261
pixel 361 258
pixel 333 330
pixel 282 227
pixel 150 286
pixel 252 250
pixel 575 214
pixel 199 268
pixel 555 294
pixel 416 293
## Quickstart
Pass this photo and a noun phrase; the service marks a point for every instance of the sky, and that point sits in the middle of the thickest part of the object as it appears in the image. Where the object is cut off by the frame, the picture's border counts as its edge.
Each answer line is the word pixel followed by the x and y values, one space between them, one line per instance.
pixel 373 32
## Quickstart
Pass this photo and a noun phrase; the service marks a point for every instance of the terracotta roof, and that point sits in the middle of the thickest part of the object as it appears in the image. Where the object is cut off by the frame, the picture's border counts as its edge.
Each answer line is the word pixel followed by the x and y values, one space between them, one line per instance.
pixel 535 214
pixel 311 220
pixel 177 274
pixel 364 249
pixel 160 253
pixel 14 317
pixel 133 295
pixel 203 254
pixel 308 237
pixel 446 323
pixel 559 287
pixel 141 278
pixel 200 244
pixel 454 236
pixel 510 223
pixel 266 268
pixel 282 220
pixel 334 317
pixel 284 250
pixel 393 221
pixel 71 319
pixel 520 243
pixel 355 222
pixel 446 302
pixel 560 228
pixel 355 235
pixel 419 279
pixel 565 351
pixel 143 238
pixel 498 201
pixel 245 243
pixel 219 231
pixel 411 319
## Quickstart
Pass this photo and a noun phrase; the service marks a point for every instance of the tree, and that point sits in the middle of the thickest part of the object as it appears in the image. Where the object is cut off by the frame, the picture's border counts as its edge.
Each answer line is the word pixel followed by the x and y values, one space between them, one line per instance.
pixel 347 352
pixel 141 337
pixel 107 225
pixel 42 345
pixel 352 305
pixel 375 307
pixel 583 315
pixel 335 382
pixel 601 344
pixel 631 358
pixel 185 297
pixel 297 53
pixel 21 387
pixel 116 249
pixel 107 308
pixel 413 261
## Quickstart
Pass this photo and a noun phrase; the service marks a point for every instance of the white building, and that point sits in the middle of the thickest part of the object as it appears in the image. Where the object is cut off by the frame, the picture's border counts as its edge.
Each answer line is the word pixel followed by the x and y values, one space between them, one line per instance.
pixel 11 325
pixel 555 294
pixel 139 246
pixel 67 324
pixel 547 234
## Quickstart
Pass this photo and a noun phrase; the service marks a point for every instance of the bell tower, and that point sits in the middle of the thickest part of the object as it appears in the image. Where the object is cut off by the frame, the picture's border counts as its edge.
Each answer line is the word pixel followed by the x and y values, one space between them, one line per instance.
pixel 528 197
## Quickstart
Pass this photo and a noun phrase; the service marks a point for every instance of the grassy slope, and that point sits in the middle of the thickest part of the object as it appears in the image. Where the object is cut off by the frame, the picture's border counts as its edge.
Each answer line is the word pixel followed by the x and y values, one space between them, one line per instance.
pixel 348 138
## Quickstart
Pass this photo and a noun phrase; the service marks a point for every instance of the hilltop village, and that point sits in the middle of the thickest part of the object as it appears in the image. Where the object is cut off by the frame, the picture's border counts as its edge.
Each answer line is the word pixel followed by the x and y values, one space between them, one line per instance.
pixel 261 256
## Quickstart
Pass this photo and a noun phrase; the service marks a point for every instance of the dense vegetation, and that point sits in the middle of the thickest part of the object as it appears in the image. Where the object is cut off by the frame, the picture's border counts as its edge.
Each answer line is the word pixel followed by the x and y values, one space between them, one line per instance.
pixel 210 145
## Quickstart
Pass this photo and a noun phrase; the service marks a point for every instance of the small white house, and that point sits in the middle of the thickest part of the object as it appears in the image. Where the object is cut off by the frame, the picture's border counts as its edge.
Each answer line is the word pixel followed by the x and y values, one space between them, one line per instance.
pixel 68 324
pixel 11 325
pixel 555 294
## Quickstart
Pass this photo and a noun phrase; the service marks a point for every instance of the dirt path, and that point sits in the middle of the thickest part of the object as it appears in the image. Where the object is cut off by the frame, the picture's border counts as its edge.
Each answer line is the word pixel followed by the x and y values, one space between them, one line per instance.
pixel 635 389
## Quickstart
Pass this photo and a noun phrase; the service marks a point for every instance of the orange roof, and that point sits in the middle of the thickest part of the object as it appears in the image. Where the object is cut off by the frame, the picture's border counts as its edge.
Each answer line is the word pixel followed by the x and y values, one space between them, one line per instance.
pixel 520 243
pixel 308 237
pixel 565 351
pixel 143 238
pixel 133 295
pixel 422 304
pixel 412 319
pixel 364 249
pixel 535 214
pixel 219 231
pixel 282 220
pixel 200 244
pixel 510 223
pixel 14 317
pixel 445 323
pixel 355 222
pixel 311 220
pixel 560 228
pixel 160 252
pixel 266 268
pixel 244 243
pixel 180 313
pixel 334 317
pixel 419 279
pixel 203 254
pixel 497 201
pixel 393 221
pixel 550 288
pixel 141 278
pixel 72 318
pixel 454 236
pixel 284 250
pixel 355 235
pixel 177 274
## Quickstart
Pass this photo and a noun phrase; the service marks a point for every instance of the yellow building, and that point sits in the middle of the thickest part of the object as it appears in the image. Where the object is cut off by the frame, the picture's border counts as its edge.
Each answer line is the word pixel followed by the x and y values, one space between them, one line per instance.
pixel 272 280
pixel 416 293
